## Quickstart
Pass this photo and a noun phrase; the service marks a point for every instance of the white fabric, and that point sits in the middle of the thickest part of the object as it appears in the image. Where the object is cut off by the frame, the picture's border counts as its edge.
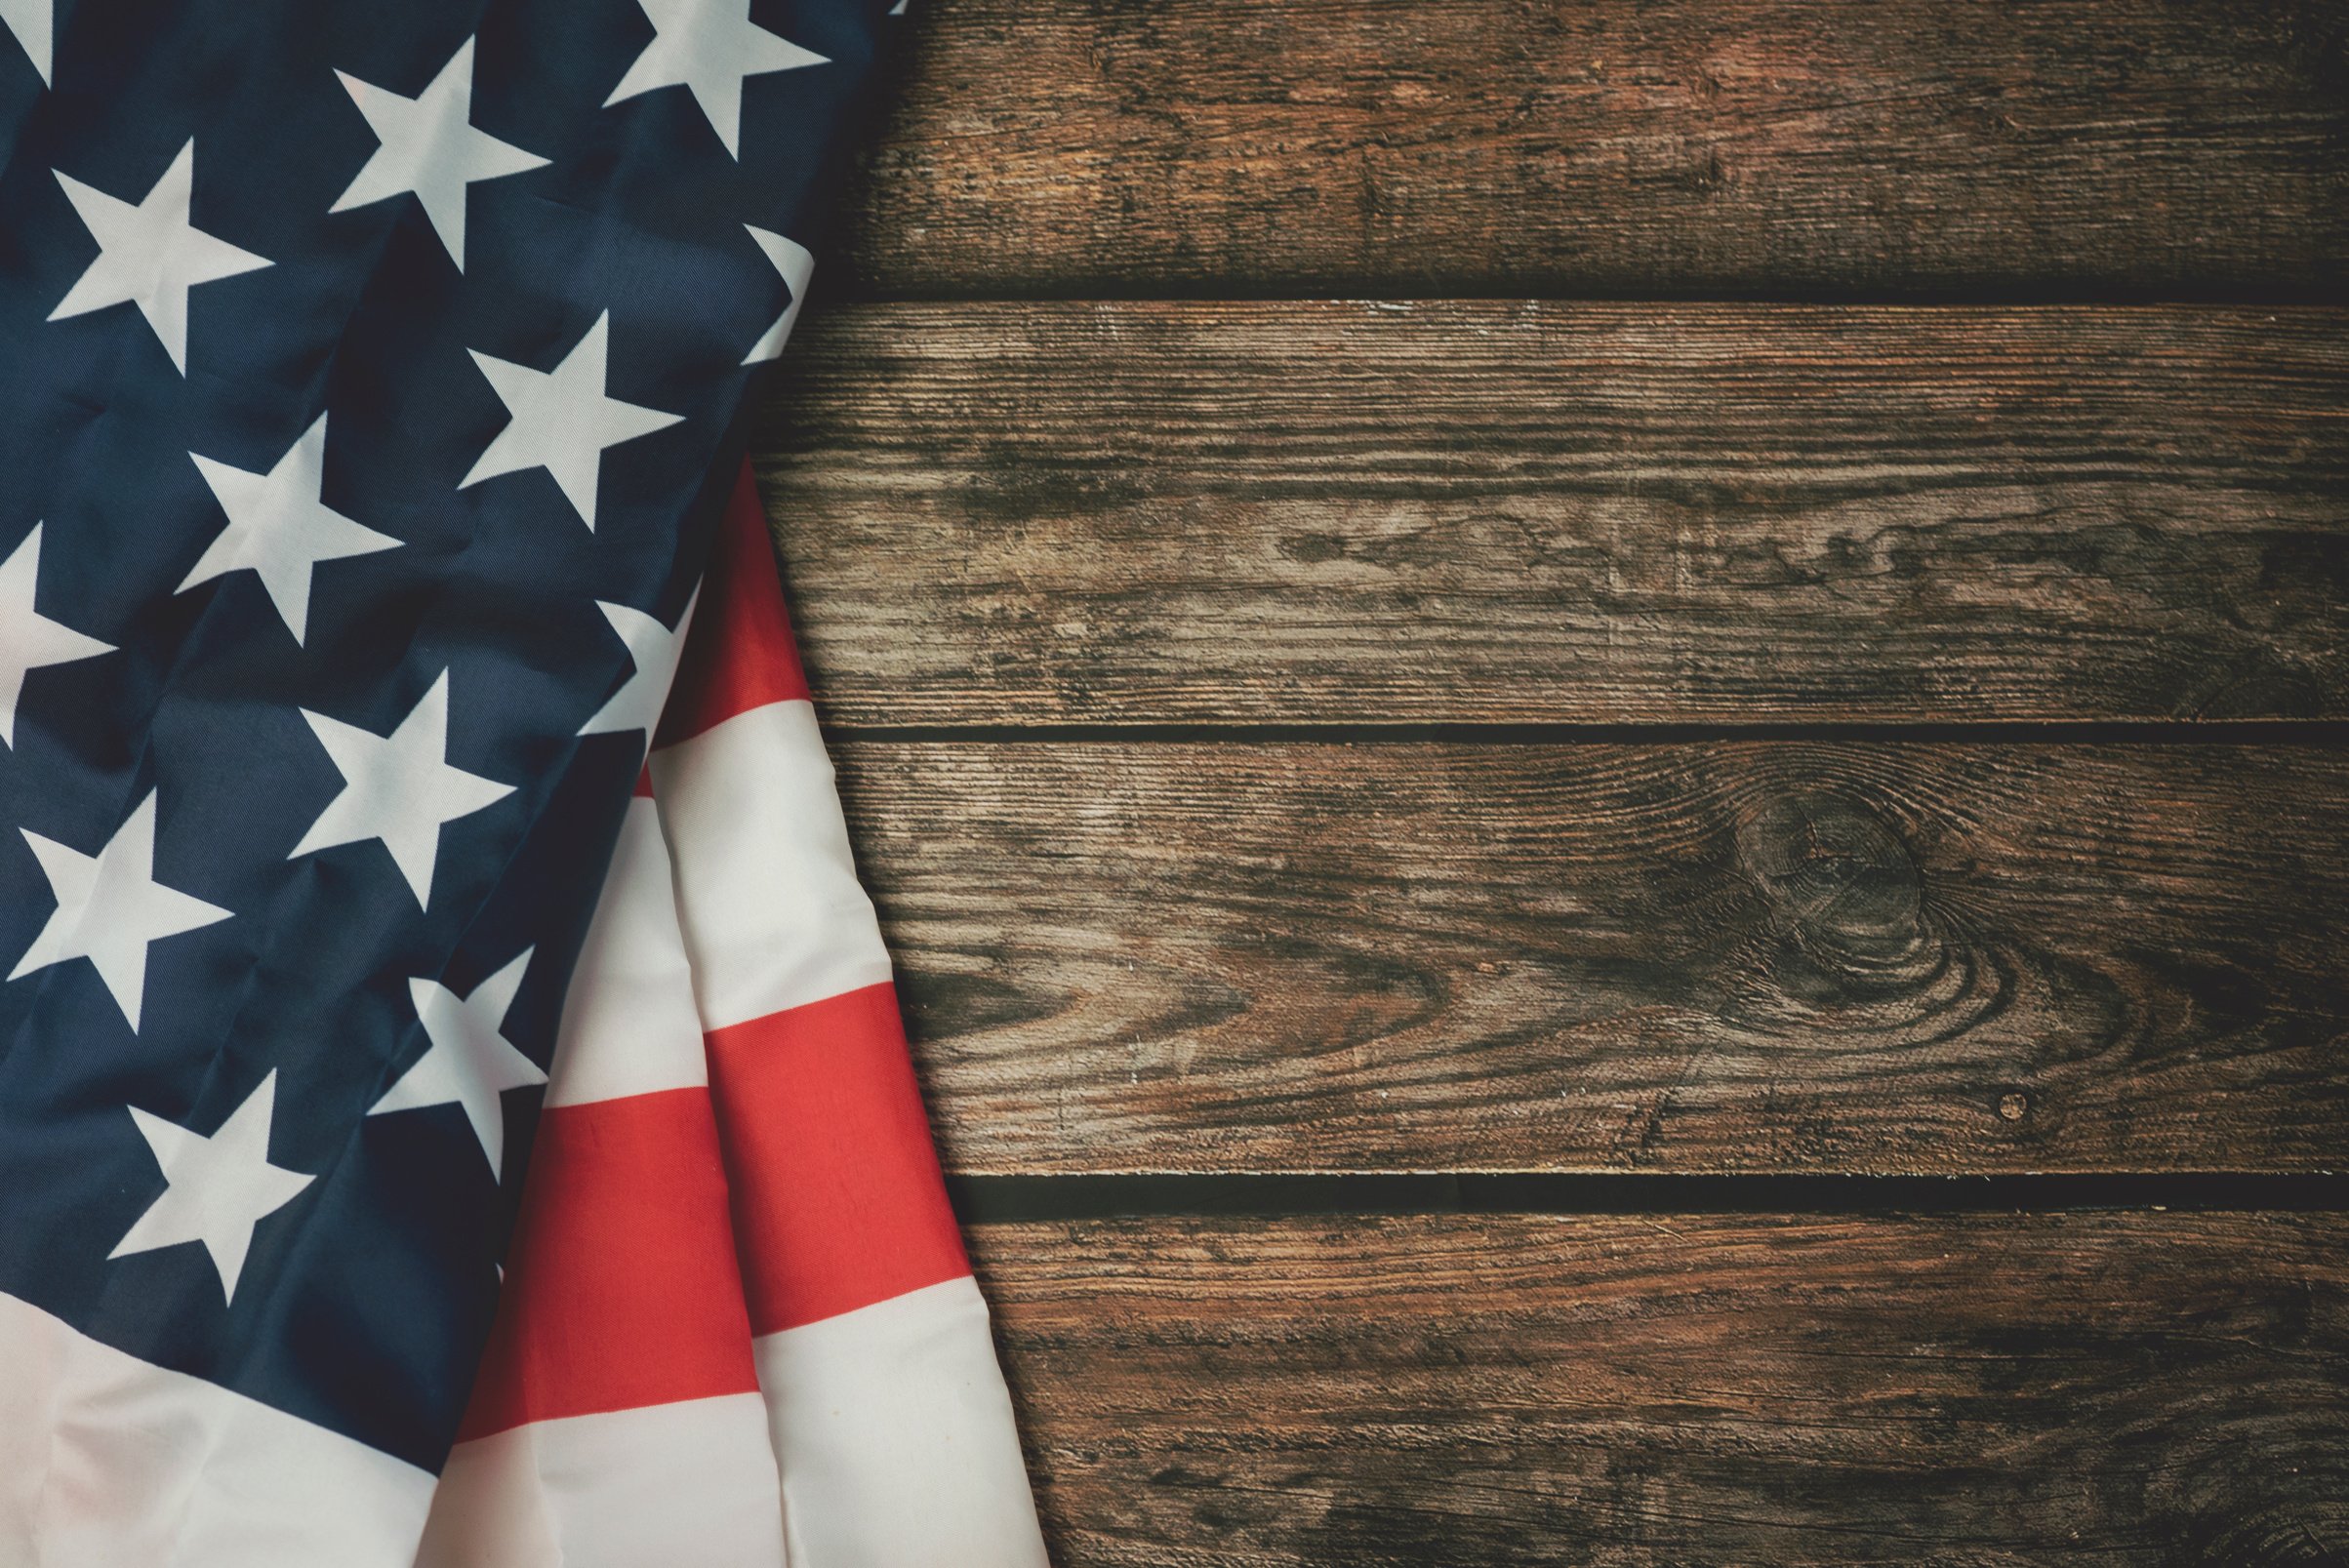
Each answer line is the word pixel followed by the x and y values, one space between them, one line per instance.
pixel 797 265
pixel 688 1484
pixel 767 889
pixel 106 1462
pixel 630 1025
pixel 563 420
pixel 890 1424
pixel 897 1439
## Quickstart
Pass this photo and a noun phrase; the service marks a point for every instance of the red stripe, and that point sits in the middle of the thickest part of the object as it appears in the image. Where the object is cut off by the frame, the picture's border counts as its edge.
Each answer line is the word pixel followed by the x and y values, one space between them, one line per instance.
pixel 644 782
pixel 838 1198
pixel 741 654
pixel 622 1290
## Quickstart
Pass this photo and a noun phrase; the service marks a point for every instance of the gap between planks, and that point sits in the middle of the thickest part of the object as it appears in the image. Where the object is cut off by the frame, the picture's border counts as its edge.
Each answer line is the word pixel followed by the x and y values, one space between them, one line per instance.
pixel 1024 1199
pixel 1987 732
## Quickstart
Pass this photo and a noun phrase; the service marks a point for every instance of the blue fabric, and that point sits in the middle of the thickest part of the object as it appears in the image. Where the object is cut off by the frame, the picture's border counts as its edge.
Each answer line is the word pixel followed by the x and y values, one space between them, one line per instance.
pixel 365 1301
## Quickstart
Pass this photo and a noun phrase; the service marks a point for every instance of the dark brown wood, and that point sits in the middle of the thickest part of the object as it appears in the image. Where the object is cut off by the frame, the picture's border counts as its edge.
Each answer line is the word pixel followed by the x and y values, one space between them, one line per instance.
pixel 1612 146
pixel 2116 1389
pixel 1765 956
pixel 1255 953
pixel 1431 512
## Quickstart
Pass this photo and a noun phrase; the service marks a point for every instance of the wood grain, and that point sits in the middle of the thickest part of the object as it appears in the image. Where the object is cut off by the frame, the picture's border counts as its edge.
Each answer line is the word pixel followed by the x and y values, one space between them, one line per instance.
pixel 1756 956
pixel 1761 956
pixel 1613 148
pixel 2121 1389
pixel 1438 512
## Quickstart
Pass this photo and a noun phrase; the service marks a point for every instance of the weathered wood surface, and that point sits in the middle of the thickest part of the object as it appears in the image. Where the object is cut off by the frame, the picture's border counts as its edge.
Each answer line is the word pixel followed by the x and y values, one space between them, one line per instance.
pixel 1758 956
pixel 1612 147
pixel 2123 1388
pixel 1260 953
pixel 1324 513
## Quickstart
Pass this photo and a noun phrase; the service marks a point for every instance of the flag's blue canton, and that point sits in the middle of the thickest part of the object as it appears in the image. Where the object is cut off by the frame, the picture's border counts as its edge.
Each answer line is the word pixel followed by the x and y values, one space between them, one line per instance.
pixel 189 1168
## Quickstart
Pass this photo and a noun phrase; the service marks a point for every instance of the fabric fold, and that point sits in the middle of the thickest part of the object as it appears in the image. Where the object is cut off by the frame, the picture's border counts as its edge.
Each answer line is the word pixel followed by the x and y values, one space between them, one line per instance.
pixel 739 1320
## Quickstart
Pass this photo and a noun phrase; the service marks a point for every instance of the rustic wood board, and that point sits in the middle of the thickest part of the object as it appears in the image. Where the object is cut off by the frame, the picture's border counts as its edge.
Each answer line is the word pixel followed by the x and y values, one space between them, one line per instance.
pixel 2124 1389
pixel 1461 511
pixel 1696 957
pixel 2098 478
pixel 1639 147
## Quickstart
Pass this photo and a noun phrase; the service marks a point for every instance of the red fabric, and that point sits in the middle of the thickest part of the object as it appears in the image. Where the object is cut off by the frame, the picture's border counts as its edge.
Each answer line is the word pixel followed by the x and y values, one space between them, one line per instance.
pixel 621 1288
pixel 839 1202
pixel 740 653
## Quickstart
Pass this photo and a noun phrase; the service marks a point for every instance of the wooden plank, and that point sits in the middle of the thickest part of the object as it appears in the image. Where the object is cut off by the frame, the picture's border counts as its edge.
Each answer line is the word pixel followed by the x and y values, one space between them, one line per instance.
pixel 1503 511
pixel 1626 148
pixel 2126 1389
pixel 1758 956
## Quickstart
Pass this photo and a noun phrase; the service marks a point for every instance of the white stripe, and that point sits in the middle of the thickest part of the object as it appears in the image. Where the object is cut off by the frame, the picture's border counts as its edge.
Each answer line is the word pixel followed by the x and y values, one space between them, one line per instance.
pixel 630 1025
pixel 692 1482
pixel 896 1437
pixel 106 1462
pixel 766 887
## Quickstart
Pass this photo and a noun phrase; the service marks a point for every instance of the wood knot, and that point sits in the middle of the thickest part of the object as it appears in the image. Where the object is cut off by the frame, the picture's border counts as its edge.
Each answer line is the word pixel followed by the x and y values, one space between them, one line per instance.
pixel 1312 549
pixel 1852 946
pixel 1839 879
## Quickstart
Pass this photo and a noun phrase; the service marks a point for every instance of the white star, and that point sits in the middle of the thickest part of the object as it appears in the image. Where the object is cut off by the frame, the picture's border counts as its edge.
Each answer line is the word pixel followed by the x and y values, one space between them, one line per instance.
pixel 797 265
pixel 220 1186
pixel 109 908
pixel 654 648
pixel 708 47
pixel 397 787
pixel 28 641
pixel 562 420
pixel 279 528
pixel 471 1062
pixel 150 255
pixel 429 145
pixel 33 22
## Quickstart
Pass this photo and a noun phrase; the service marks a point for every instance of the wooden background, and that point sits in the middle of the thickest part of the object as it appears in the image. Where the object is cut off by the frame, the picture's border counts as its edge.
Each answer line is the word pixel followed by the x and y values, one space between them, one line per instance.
pixel 1605 738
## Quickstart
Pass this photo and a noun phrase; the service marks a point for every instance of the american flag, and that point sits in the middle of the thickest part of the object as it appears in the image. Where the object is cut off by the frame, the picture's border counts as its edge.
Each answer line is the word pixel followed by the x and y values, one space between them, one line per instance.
pixel 382 1181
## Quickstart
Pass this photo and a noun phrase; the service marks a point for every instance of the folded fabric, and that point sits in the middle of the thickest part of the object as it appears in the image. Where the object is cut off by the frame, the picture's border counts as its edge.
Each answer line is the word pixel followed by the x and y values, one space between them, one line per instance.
pixel 368 413
pixel 735 1225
